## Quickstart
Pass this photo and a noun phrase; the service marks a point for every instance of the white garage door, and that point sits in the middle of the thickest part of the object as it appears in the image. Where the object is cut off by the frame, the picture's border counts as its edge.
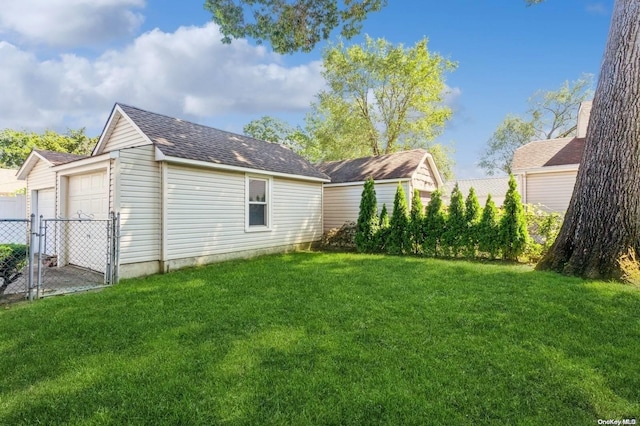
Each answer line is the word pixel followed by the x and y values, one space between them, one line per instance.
pixel 46 204
pixel 88 198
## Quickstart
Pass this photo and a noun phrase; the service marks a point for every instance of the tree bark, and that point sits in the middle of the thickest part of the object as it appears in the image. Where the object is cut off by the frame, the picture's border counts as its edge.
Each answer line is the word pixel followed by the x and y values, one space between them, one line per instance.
pixel 603 219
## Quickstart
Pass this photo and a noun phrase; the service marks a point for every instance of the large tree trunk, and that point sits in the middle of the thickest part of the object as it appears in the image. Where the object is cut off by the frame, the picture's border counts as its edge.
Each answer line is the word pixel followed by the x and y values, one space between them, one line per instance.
pixel 603 219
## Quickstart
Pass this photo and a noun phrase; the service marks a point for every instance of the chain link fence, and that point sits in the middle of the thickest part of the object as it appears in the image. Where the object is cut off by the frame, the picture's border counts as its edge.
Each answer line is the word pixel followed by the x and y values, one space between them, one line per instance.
pixel 15 272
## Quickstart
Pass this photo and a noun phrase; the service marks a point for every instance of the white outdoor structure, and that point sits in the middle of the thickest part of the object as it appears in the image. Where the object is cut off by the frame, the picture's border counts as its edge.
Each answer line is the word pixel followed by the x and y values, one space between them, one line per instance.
pixel 187 194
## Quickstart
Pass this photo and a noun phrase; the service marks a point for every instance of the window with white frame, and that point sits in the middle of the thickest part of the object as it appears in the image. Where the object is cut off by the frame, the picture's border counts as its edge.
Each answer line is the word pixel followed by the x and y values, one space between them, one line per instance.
pixel 258 203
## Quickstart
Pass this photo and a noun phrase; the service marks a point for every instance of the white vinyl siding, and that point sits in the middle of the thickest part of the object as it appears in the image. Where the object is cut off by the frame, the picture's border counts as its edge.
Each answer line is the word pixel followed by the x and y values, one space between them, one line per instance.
pixel 124 135
pixel 552 191
pixel 140 205
pixel 206 213
pixel 40 177
pixel 342 203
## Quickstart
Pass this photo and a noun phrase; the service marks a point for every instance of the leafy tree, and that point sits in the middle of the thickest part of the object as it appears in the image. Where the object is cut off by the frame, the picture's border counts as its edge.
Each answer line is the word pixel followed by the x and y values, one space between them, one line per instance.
pixel 290 26
pixel 552 114
pixel 455 227
pixel 513 224
pixel 488 229
pixel 15 146
pixel 383 230
pixel 274 130
pixel 434 225
pixel 381 98
pixel 416 222
pixel 601 223
pixel 367 224
pixel 472 218
pixel 399 241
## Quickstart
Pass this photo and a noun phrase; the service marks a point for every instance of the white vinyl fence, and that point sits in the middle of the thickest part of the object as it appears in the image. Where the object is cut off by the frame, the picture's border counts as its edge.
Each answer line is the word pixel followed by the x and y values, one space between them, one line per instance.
pixel 13 207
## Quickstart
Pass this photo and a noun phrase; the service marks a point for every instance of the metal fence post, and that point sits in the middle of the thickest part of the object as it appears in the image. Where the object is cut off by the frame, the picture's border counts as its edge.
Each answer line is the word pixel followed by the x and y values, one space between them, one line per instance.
pixel 116 248
pixel 33 231
pixel 41 239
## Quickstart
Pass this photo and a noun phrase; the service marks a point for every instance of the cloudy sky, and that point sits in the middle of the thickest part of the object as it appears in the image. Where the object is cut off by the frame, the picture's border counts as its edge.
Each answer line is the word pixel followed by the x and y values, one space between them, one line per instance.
pixel 64 63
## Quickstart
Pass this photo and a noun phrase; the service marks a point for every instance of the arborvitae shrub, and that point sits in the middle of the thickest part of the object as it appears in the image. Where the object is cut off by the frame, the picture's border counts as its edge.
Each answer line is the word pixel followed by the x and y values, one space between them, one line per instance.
pixel 513 224
pixel 433 228
pixel 472 214
pixel 383 230
pixel 455 227
pixel 399 241
pixel 367 224
pixel 416 222
pixel 488 228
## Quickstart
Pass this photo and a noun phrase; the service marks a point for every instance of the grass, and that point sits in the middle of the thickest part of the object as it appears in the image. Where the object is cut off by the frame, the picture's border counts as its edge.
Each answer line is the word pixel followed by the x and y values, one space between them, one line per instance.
pixel 312 338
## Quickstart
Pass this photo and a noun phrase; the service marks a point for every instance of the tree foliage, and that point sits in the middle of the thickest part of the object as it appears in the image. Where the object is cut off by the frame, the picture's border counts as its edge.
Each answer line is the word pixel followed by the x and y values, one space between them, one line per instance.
pixel 434 222
pixel 15 146
pixel 488 229
pixel 399 241
pixel 382 236
pixel 472 214
pixel 381 98
pixel 455 228
pixel 274 130
pixel 416 222
pixel 367 224
pixel 513 224
pixel 552 114
pixel 293 25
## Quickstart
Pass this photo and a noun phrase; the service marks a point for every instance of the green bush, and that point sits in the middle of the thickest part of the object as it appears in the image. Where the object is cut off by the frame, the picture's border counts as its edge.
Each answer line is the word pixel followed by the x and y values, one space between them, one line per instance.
pixel 433 228
pixel 416 222
pixel 488 228
pixel 455 227
pixel 13 257
pixel 472 215
pixel 367 224
pixel 399 241
pixel 383 230
pixel 543 228
pixel 513 224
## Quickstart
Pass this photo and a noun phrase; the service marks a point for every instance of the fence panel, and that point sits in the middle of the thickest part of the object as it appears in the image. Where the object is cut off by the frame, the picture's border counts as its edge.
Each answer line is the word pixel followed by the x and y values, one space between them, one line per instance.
pixel 14 259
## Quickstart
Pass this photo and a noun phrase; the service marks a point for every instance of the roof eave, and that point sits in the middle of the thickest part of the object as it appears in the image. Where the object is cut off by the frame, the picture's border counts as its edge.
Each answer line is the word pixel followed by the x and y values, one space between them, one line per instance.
pixel 29 164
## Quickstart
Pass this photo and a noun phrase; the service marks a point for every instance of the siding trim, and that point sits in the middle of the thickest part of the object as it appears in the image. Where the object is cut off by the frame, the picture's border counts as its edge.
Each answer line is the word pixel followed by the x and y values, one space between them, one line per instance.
pixel 269 205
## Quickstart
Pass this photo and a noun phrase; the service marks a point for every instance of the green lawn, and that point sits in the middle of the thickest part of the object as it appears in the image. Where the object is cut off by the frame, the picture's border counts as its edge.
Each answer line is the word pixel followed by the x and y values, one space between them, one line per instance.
pixel 312 338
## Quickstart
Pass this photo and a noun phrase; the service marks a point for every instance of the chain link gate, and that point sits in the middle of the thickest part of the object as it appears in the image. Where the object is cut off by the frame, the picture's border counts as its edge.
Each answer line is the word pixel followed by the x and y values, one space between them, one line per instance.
pixel 76 254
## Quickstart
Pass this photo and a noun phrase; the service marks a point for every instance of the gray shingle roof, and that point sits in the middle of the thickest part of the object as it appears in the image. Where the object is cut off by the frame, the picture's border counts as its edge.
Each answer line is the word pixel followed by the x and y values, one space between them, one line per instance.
pixel 552 152
pixel 178 138
pixel 391 166
pixel 57 158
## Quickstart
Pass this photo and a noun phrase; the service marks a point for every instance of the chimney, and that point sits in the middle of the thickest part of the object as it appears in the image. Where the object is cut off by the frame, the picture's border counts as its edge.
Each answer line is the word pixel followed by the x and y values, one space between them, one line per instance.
pixel 583 119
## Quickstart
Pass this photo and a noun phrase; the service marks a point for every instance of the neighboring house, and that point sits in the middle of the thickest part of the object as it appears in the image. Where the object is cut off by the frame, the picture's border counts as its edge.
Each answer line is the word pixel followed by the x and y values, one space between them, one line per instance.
pixel 414 169
pixel 9 182
pixel 187 194
pixel 547 169
pixel 496 186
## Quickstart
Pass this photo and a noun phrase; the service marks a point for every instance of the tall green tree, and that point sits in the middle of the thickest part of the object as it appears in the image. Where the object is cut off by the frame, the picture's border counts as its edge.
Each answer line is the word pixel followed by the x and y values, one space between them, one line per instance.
pixel 602 221
pixel 455 228
pixel 552 114
pixel 416 222
pixel 367 224
pixel 472 214
pixel 381 98
pixel 399 240
pixel 290 25
pixel 513 224
pixel 434 225
pixel 488 229
pixel 15 145
pixel 382 236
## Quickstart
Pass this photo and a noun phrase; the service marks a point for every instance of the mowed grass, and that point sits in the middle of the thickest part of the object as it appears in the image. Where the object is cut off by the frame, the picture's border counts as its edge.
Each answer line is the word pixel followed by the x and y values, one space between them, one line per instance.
pixel 313 338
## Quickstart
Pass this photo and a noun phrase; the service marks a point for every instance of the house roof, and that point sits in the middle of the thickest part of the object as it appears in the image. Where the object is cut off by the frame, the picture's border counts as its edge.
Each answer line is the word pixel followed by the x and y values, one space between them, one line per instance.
pixel 496 186
pixel 545 153
pixel 399 165
pixel 182 139
pixel 52 157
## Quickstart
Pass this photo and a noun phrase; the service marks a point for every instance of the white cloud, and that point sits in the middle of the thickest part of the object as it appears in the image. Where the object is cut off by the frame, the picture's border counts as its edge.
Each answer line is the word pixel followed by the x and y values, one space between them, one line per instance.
pixel 69 23
pixel 186 73
pixel 597 9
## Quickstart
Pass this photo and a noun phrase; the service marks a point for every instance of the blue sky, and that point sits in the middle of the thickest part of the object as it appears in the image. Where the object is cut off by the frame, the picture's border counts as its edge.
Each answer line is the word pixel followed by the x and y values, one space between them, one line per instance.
pixel 64 63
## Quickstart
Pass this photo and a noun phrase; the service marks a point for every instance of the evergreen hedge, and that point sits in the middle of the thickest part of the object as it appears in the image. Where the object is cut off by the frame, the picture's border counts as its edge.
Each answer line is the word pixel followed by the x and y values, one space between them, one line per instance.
pixel 367 224
pixel 513 224
pixel 433 228
pixel 399 241
pixel 455 227
pixel 416 223
pixel 488 229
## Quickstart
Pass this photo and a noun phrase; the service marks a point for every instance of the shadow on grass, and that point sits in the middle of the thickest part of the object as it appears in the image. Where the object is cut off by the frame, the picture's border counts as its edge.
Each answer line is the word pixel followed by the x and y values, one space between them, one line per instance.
pixel 312 338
